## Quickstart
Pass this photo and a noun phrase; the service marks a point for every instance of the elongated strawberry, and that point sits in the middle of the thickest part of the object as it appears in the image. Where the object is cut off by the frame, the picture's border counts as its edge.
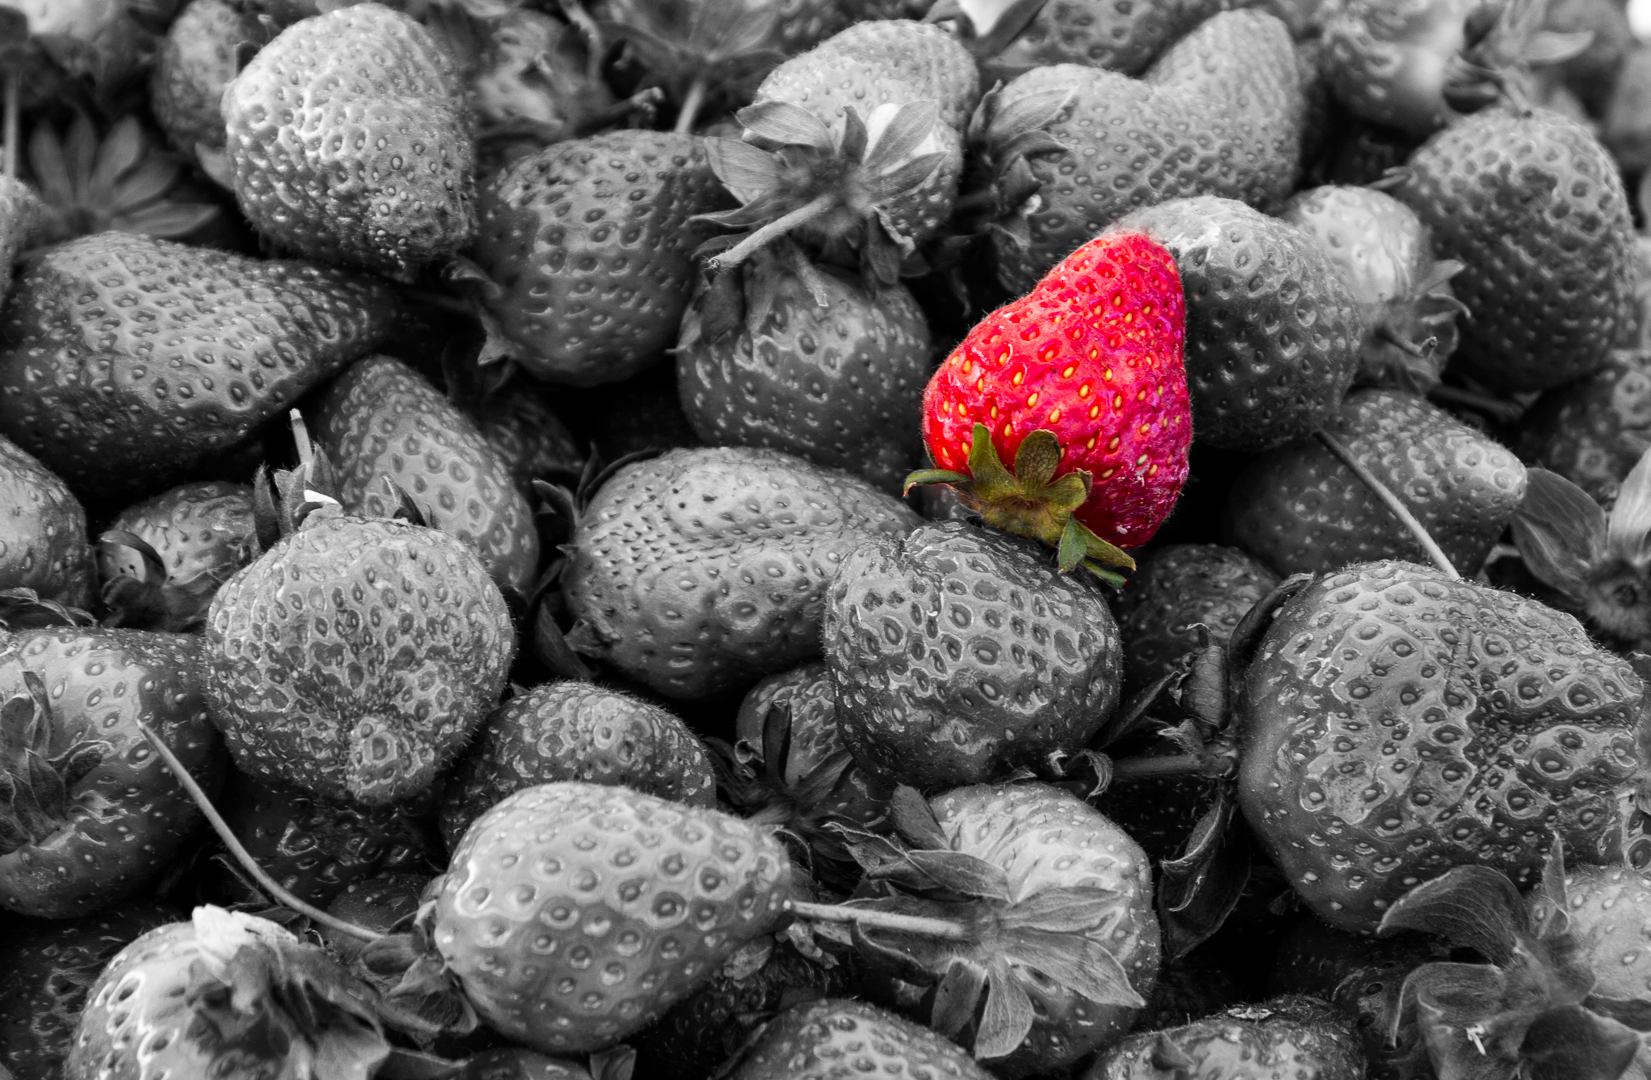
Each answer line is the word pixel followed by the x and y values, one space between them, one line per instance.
pixel 1092 358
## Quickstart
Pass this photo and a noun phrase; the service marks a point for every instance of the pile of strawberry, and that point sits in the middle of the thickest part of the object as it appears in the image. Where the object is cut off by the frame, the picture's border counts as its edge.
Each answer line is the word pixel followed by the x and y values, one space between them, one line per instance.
pixel 792 539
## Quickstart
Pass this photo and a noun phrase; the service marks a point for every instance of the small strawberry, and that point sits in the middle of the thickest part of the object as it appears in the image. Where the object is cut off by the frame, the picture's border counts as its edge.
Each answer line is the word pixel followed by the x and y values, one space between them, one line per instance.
pixel 230 996
pixel 91 813
pixel 1594 563
pixel 162 560
pixel 810 362
pixel 1533 207
pixel 574 915
pixel 959 654
pixel 1081 384
pixel 210 346
pixel 1403 293
pixel 1287 1038
pixel 381 420
pixel 20 213
pixel 1176 591
pixel 1273 328
pixel 1220 113
pixel 1396 723
pixel 43 543
pixel 817 1041
pixel 315 848
pixel 350 142
pixel 196 61
pixel 576 731
pixel 700 571
pixel 1302 510
pixel 588 251
pixel 50 968
pixel 1593 431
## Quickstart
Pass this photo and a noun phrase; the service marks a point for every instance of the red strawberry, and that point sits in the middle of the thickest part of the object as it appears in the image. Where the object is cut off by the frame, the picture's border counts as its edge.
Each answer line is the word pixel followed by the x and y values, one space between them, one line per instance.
pixel 1093 357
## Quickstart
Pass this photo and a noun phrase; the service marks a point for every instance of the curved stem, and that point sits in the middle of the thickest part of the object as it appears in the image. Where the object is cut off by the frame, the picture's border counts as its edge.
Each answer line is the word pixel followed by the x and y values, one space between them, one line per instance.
pixel 940 929
pixel 13 106
pixel 776 228
pixel 1399 510
pixel 691 104
pixel 242 856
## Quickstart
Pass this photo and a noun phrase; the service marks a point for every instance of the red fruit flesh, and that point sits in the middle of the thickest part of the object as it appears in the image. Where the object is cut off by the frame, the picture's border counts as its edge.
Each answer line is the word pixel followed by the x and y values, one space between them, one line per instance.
pixel 1093 354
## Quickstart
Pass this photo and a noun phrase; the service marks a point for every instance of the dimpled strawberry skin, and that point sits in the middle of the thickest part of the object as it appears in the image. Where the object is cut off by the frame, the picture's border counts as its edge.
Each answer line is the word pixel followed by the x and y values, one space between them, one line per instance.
pixel 835 1039
pixel 133 1027
pixel 42 532
pixel 356 657
pixel 1094 355
pixel 350 141
pixel 1395 723
pixel 576 731
pixel 960 652
pixel 574 914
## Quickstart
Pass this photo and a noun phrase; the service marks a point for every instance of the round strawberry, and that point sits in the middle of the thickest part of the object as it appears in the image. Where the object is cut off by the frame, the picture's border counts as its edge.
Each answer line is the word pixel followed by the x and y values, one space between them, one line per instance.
pixel 1092 357
pixel 818 1041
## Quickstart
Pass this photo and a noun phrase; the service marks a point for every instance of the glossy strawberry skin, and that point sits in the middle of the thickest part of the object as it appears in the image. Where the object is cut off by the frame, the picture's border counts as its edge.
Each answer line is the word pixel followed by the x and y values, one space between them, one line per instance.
pixel 128 817
pixel 370 696
pixel 1592 432
pixel 380 419
pixel 574 914
pixel 50 967
pixel 589 243
pixel 1177 589
pixel 1606 907
pixel 316 848
pixel 203 532
pixel 1093 354
pixel 961 652
pixel 1302 511
pixel 1288 1038
pixel 576 731
pixel 42 532
pixel 1395 723
pixel 819 1040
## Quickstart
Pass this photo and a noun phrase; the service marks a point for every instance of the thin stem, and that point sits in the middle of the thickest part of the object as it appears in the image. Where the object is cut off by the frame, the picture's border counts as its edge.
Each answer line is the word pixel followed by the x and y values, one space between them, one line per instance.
pixel 776 228
pixel 1499 409
pixel 13 106
pixel 1158 767
pixel 242 856
pixel 1399 510
pixel 691 104
pixel 940 929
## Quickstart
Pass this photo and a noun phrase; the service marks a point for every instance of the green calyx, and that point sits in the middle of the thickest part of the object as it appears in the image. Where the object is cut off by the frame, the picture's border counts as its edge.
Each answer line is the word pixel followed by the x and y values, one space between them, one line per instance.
pixel 1032 501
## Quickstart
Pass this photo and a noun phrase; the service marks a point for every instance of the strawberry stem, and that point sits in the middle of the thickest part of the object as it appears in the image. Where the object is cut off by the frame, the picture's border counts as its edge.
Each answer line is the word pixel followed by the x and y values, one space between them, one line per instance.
pixel 773 230
pixel 1382 492
pixel 242 856
pixel 691 104
pixel 1168 766
pixel 1498 409
pixel 13 105
pixel 940 929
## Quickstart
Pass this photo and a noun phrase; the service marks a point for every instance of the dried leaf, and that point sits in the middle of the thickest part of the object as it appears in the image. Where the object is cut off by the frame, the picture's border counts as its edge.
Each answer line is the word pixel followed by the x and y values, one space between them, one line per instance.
pixel 1007 1018
pixel 915 821
pixel 780 123
pixel 1472 907
pixel 957 997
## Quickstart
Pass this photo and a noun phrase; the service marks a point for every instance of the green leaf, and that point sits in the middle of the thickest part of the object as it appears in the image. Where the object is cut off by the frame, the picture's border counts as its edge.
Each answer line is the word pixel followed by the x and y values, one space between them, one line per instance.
pixel 908 176
pixel 1628 533
pixel 1072 909
pixel 1037 459
pixel 1007 1018
pixel 985 468
pixel 119 153
pixel 80 155
pixel 781 123
pixel 1109 577
pixel 1555 892
pixel 1199 888
pixel 1069 492
pixel 957 997
pixel 1560 532
pixel 907 130
pixel 960 872
pixel 1472 907
pixel 152 179
pixel 1104 551
pixel 50 168
pixel 1072 550
pixel 915 821
pixel 166 221
pixel 852 147
pixel 744 169
pixel 1079 963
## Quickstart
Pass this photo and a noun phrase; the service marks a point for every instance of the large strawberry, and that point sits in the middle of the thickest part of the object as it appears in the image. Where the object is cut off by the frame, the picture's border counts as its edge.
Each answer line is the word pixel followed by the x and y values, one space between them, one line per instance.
pixel 701 571
pixel 575 914
pixel 1396 723
pixel 91 813
pixel 349 141
pixel 1533 207
pixel 588 250
pixel 1273 329
pixel 50 967
pixel 231 996
pixel 356 656
pixel 960 653
pixel 42 532
pixel 798 357
pixel 1282 1039
pixel 576 731
pixel 1094 33
pixel 1301 509
pixel 209 346
pixel 381 420
pixel 1092 359
pixel 1220 113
